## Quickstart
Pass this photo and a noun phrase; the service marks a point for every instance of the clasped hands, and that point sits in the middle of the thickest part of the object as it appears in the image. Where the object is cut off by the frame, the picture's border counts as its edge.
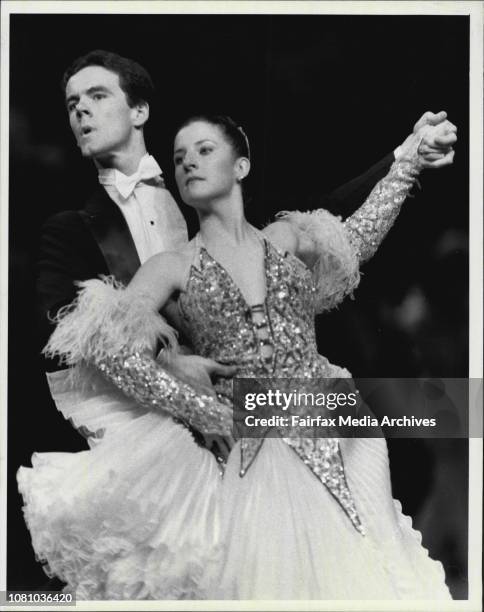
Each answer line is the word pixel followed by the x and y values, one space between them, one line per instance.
pixel 436 148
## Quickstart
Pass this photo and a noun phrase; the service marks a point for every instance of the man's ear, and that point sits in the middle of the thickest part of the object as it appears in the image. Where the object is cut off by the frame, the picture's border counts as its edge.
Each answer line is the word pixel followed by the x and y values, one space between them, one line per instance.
pixel 140 114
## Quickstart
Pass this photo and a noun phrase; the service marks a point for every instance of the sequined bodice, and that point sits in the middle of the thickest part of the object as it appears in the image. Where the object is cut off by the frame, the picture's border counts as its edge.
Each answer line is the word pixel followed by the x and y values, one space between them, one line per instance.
pixel 275 339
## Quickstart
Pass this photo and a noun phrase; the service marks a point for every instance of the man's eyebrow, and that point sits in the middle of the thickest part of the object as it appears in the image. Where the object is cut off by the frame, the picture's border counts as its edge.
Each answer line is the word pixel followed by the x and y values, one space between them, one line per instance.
pixel 92 90
pixel 71 98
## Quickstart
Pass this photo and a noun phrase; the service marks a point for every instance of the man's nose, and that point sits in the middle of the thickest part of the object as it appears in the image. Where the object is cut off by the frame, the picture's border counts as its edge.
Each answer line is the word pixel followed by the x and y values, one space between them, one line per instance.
pixel 82 108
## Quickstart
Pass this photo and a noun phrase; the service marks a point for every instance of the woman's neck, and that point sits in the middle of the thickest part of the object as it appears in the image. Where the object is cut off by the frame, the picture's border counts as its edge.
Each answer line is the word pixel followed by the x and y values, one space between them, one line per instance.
pixel 224 224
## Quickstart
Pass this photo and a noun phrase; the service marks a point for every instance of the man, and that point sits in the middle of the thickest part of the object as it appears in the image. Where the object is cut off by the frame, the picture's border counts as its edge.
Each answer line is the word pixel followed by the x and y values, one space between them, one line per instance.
pixel 132 216
pixel 107 100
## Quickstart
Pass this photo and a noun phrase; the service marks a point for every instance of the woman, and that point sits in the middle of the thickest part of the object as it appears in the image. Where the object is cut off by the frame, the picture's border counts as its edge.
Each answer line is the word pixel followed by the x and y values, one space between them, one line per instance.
pixel 145 513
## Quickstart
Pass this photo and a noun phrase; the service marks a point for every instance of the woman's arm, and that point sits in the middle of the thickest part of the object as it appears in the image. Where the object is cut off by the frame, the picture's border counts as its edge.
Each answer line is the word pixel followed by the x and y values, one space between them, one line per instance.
pixel 117 330
pixel 333 249
pixel 368 226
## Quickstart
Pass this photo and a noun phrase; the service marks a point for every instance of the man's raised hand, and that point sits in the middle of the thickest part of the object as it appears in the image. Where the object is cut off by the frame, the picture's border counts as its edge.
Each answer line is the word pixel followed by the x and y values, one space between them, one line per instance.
pixel 436 148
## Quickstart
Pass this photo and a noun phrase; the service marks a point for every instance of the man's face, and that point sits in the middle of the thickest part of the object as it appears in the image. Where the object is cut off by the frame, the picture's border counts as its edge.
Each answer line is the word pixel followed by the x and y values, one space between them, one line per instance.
pixel 100 117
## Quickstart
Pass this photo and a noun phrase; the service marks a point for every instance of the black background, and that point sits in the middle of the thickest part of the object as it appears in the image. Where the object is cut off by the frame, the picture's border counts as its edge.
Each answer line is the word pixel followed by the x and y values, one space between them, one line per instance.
pixel 321 98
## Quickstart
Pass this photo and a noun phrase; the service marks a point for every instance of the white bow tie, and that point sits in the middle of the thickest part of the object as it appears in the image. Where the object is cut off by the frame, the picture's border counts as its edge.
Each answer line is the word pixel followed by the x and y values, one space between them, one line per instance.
pixel 147 169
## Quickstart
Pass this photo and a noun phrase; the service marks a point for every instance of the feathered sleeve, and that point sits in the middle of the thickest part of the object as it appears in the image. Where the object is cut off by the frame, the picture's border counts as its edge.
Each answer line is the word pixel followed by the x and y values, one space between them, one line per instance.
pixel 336 268
pixel 117 331
pixel 340 247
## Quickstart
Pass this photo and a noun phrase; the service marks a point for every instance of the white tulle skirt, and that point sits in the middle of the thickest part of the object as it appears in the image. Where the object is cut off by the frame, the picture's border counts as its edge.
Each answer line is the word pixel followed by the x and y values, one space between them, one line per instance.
pixel 134 517
pixel 145 514
pixel 285 536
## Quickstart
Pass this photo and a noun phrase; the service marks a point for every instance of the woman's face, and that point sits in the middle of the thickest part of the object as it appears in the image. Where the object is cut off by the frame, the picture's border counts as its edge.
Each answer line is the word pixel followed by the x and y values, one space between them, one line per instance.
pixel 206 168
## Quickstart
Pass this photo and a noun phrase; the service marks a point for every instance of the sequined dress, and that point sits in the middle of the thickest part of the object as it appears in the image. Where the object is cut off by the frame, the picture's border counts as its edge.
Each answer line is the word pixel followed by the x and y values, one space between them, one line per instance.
pixel 286 535
pixel 146 512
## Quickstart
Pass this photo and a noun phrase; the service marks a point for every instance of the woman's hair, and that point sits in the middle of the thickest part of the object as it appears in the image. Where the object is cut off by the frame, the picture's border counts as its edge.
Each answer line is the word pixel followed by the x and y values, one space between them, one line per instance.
pixel 233 133
pixel 134 80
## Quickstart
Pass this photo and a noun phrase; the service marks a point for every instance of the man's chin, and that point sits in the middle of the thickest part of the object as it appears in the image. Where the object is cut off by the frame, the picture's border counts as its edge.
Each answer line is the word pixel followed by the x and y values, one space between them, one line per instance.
pixel 91 151
pixel 88 152
pixel 99 156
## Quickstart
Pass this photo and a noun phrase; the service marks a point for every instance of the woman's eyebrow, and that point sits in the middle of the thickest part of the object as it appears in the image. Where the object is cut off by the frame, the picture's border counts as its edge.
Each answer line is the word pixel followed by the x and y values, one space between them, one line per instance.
pixel 199 142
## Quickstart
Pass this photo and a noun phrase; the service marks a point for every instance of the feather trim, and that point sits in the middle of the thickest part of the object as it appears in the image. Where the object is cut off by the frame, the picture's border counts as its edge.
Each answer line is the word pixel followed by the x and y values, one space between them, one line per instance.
pixel 104 318
pixel 336 271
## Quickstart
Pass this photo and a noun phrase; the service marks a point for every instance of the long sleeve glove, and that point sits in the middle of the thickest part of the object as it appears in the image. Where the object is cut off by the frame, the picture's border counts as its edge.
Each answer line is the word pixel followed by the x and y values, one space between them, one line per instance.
pixel 368 226
pixel 341 247
pixel 115 331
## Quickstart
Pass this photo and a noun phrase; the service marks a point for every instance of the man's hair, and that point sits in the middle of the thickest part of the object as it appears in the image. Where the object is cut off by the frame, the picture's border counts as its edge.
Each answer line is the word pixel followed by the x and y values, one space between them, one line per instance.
pixel 134 80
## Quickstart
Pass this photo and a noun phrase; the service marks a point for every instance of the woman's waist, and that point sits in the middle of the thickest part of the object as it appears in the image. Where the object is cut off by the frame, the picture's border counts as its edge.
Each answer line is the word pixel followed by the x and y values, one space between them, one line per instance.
pixel 265 356
pixel 315 366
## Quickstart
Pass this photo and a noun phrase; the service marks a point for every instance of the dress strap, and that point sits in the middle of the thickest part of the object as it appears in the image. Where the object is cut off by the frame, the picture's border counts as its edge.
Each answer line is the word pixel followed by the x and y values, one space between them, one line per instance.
pixel 198 244
pixel 267 241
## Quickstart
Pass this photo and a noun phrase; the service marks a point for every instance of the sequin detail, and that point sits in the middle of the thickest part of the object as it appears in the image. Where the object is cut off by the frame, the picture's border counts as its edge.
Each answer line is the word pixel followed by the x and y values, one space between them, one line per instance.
pixel 225 328
pixel 249 447
pixel 141 378
pixel 222 325
pixel 323 456
pixel 369 225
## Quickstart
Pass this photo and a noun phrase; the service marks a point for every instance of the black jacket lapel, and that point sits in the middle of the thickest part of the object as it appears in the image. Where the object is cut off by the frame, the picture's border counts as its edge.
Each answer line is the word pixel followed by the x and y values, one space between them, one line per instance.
pixel 111 232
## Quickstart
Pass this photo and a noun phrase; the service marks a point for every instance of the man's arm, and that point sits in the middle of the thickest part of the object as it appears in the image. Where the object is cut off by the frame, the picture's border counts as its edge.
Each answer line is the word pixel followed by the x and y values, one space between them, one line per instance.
pixel 347 197
pixel 435 150
pixel 67 254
